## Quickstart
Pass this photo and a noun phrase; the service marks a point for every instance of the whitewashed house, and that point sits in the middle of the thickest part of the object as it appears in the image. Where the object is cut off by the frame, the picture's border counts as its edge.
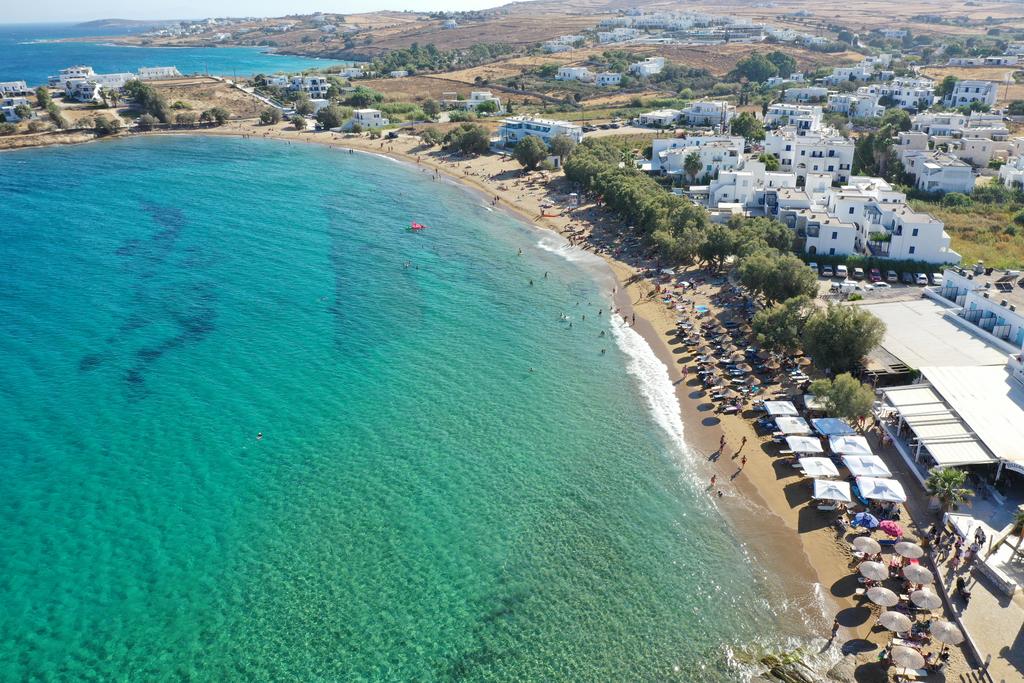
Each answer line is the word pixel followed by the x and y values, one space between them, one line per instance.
pixel 782 114
pixel 515 128
pixel 717 153
pixel 856 106
pixel 805 149
pixel 13 88
pixel 574 73
pixel 607 79
pixel 618 35
pixel 648 67
pixel 276 81
pixel 966 92
pixel 746 186
pixel 82 90
pixel 314 86
pixel 906 93
pixel 938 171
pixel 660 118
pixel 158 73
pixel 398 73
pixel 845 74
pixel 708 113
pixel 365 118
pixel 812 93
pixel 451 100
pixel 1011 174
pixel 8 106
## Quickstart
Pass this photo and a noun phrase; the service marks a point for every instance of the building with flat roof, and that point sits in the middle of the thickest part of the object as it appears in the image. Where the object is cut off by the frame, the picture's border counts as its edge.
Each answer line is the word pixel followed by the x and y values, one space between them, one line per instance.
pixel 966 92
pixel 515 128
pixel 992 300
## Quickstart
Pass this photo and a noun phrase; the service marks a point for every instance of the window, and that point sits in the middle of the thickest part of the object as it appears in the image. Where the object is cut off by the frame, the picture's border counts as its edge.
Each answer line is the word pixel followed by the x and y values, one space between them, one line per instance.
pixel 851 208
pixel 835 235
pixel 831 168
pixel 914 233
pixel 832 251
pixel 912 249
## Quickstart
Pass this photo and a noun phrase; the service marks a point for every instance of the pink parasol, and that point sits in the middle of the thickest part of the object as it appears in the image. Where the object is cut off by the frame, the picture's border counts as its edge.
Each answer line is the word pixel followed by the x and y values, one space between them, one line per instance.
pixel 891 528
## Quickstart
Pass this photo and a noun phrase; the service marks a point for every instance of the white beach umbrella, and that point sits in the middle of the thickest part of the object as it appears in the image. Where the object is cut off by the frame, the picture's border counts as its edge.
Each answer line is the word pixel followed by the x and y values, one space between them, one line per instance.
pixel 876 571
pixel 888 490
pixel 895 621
pixel 906 657
pixel 832 426
pixel 915 573
pixel 780 408
pixel 866 466
pixel 926 598
pixel 882 596
pixel 909 550
pixel 792 425
pixel 804 444
pixel 825 489
pixel 818 467
pixel 849 444
pixel 866 544
pixel 946 632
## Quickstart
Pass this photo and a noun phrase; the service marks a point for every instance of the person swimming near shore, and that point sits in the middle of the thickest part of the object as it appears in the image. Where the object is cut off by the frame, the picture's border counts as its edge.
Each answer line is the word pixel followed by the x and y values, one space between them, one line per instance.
pixel 259 436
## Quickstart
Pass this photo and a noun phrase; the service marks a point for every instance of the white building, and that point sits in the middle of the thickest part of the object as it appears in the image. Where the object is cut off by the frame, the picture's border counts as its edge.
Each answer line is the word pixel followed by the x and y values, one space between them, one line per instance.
pixel 938 171
pixel 845 74
pixel 551 47
pixel 866 216
pixel 276 81
pixel 398 73
pixel 811 93
pixel 989 299
pixel 450 23
pixel 660 118
pixel 574 73
pixel 366 118
pixel 795 77
pixel 82 90
pixel 157 73
pixel 13 88
pixel 352 72
pixel 65 75
pixel 746 186
pixel 966 92
pixel 1011 173
pixel 476 98
pixel 906 93
pixel 708 113
pixel 856 106
pixel 607 78
pixel 618 35
pixel 7 107
pixel 780 114
pixel 717 153
pixel 515 128
pixel 648 67
pixel 314 86
pixel 804 148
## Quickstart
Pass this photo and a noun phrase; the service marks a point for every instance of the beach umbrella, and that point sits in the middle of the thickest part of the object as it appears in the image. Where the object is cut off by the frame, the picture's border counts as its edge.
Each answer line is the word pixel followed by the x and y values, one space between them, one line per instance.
pixel 875 488
pixel 831 426
pixel 803 444
pixel 909 550
pixel 771 364
pixel 891 528
pixel 752 381
pixel 780 408
pixel 730 348
pixel 804 362
pixel 864 519
pixel 866 544
pixel 719 381
pixel 746 328
pixel 720 329
pixel 906 657
pixel 743 367
pixel 926 598
pixel 818 467
pixel 826 489
pixel 849 444
pixel 915 573
pixel 882 596
pixel 895 621
pixel 876 571
pixel 866 466
pixel 792 425
pixel 796 352
pixel 764 354
pixel 946 633
pixel 737 356
pixel 731 393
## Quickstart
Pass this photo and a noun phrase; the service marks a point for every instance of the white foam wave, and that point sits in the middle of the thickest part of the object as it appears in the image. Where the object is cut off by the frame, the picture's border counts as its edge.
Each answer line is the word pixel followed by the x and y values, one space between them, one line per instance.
pixel 558 245
pixel 655 382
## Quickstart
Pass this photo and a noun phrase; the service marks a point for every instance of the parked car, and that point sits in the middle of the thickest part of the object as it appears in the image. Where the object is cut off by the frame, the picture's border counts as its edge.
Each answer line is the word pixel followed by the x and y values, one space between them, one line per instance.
pixel 907 278
pixel 875 275
pixel 937 279
pixel 921 279
pixel 589 129
pixel 858 273
pixel 842 272
pixel 891 276
pixel 826 270
pixel 881 285
pixel 813 266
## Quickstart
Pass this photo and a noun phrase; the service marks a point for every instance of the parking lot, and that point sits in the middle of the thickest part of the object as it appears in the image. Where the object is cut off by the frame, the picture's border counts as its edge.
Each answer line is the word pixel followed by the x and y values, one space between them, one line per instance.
pixel 837 289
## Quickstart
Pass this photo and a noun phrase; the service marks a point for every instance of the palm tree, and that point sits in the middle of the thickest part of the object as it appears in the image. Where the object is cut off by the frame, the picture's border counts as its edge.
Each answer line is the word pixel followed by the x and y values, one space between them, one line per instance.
pixel 947 485
pixel 691 164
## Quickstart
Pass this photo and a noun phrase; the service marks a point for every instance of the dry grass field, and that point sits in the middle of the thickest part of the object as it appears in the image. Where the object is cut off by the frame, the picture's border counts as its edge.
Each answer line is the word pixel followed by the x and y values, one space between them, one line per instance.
pixel 206 93
pixel 1006 92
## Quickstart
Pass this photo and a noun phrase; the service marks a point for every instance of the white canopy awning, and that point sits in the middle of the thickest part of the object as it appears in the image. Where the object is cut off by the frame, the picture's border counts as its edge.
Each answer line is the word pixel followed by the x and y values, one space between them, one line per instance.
pixel 819 467
pixel 804 444
pixel 812 402
pixel 780 408
pixel 849 444
pixel 831 426
pixel 866 466
pixel 825 489
pixel 792 425
pixel 881 489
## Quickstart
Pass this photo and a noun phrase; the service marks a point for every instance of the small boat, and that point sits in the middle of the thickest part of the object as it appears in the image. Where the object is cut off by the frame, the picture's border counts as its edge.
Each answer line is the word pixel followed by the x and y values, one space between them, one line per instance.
pixel 416 227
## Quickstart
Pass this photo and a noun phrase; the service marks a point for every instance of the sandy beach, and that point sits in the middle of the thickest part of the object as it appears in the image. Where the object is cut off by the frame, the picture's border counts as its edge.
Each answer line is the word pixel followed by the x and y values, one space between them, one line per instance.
pixel 765 499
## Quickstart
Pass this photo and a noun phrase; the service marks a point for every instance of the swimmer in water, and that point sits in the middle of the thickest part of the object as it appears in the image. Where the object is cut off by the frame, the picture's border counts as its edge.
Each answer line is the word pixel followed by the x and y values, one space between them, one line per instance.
pixel 259 436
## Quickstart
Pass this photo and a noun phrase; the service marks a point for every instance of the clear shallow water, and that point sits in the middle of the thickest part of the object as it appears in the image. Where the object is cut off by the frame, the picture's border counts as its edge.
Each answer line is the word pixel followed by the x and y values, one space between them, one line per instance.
pixel 422 506
pixel 30 55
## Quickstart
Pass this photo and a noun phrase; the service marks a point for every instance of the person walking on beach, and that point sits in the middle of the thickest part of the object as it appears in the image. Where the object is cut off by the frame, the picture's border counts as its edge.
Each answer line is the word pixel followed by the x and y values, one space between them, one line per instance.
pixel 721 443
pixel 743 442
pixel 743 462
pixel 714 478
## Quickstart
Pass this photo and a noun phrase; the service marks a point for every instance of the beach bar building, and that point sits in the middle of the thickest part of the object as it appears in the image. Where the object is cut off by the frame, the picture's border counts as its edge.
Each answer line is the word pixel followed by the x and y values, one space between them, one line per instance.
pixel 515 128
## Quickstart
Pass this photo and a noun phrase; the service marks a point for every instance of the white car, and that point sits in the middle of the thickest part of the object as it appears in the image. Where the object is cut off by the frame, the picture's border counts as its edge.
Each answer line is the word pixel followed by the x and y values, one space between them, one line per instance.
pixel 842 272
pixel 922 279
pixel 880 285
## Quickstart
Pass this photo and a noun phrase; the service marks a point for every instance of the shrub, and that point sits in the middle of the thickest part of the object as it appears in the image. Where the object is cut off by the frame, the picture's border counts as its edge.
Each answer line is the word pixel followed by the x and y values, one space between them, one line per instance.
pixel 956 199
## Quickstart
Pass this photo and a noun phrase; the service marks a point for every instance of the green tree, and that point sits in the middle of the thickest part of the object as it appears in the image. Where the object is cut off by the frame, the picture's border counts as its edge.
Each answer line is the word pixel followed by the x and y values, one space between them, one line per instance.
pixel 898 120
pixel 776 276
pixel 947 485
pixel 270 115
pixel 186 118
pixel 488 107
pixel 755 234
pixel 431 108
pixel 147 121
pixel 23 111
pixel 431 136
pixel 362 96
pixel 839 336
pixel 779 326
pixel 468 138
pixel 55 114
pixel 692 165
pixel 747 125
pixel 756 68
pixel 530 152
pixel 299 122
pixel 783 62
pixel 105 125
pixel 303 105
pixel 217 115
pixel 331 117
pixel 845 396
pixel 562 146
pixel 770 161
pixel 945 87
pixel 718 245
pixel 7 128
pixel 43 98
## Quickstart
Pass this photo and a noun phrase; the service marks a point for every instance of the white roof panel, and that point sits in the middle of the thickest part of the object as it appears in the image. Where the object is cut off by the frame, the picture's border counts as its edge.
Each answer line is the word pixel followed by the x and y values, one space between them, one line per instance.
pixel 874 488
pixel 832 490
pixel 792 425
pixel 866 466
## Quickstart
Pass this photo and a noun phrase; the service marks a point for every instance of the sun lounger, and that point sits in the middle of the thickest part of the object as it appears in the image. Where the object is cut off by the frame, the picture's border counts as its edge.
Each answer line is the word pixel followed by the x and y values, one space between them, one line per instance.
pixel 827 508
pixel 911 674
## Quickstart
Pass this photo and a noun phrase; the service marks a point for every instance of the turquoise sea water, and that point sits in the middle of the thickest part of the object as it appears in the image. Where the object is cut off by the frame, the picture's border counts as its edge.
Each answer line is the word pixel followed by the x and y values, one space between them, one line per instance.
pixel 422 506
pixel 30 54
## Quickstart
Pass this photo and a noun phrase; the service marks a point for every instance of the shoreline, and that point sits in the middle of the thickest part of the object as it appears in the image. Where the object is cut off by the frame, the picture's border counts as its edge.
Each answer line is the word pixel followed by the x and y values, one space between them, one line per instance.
pixel 808 578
